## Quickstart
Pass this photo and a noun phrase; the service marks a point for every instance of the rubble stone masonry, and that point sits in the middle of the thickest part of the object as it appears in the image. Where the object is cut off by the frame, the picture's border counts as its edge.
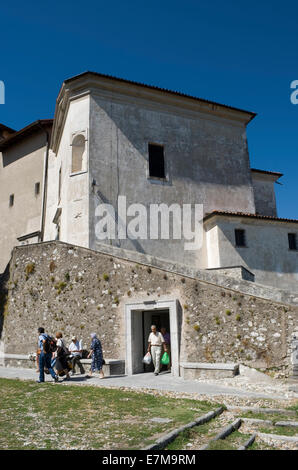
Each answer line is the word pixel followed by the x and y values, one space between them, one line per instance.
pixel 77 291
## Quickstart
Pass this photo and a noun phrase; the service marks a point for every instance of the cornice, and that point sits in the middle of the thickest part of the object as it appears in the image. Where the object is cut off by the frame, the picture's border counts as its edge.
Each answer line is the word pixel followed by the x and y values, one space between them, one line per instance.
pixel 119 89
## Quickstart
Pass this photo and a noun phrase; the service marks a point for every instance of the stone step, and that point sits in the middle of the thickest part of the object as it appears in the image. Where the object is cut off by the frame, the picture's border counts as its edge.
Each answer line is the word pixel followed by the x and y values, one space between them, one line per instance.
pixel 166 439
pixel 225 432
pixel 214 370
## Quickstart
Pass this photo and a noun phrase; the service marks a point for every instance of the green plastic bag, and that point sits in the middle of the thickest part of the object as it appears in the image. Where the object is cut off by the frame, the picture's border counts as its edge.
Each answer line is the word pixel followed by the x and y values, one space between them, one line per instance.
pixel 165 359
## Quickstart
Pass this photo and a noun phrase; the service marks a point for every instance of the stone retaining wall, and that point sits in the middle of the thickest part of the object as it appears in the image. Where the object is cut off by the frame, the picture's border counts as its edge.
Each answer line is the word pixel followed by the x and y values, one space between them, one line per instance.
pixel 78 291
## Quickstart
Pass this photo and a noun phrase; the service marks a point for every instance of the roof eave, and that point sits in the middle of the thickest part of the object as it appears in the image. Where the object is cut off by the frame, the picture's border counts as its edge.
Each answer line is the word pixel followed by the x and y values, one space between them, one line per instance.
pixel 25 132
pixel 248 215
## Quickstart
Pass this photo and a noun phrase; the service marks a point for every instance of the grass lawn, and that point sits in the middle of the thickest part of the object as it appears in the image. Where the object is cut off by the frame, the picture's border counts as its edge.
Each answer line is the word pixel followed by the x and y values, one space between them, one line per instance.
pixel 53 416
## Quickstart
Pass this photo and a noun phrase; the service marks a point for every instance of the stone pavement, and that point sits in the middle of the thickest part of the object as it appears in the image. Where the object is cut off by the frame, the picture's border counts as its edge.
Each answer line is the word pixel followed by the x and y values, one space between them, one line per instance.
pixel 242 386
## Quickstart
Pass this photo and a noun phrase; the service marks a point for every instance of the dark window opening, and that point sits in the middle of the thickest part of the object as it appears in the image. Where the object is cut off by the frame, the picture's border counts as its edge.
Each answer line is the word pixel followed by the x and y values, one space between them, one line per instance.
pixel 156 161
pixel 292 241
pixel 11 200
pixel 37 188
pixel 240 237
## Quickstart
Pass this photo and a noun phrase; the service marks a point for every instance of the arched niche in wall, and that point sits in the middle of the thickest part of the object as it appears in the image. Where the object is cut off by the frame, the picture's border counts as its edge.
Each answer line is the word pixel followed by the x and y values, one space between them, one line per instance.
pixel 78 153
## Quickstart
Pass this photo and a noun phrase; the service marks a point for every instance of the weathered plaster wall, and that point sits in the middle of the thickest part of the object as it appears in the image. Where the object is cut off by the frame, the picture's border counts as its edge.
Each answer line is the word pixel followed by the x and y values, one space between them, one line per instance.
pixel 264 193
pixel 206 162
pixel 77 291
pixel 21 166
pixel 267 253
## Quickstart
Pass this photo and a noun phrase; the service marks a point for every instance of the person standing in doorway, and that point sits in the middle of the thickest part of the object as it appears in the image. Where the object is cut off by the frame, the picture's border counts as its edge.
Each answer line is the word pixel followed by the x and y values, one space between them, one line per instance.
pixel 156 343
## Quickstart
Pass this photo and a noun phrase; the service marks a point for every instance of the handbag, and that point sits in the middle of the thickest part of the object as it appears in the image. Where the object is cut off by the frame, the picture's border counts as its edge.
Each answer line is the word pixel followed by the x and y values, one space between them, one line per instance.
pixel 165 359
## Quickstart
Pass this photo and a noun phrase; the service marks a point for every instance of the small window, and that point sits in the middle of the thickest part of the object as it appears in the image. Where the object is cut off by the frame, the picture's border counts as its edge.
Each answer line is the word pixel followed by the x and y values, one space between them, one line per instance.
pixel 292 237
pixel 156 161
pixel 240 237
pixel 11 200
pixel 37 189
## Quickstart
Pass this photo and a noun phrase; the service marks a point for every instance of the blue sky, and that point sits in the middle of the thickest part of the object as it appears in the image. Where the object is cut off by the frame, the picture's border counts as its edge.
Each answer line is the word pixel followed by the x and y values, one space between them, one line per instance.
pixel 244 54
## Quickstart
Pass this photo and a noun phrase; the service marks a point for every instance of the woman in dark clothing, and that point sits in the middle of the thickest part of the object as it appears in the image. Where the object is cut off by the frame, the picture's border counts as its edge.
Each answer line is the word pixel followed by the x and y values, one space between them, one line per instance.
pixel 61 364
pixel 96 354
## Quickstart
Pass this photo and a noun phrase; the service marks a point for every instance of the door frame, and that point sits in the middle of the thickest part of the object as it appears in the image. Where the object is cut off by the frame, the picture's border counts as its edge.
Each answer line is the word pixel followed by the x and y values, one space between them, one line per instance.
pixel 173 306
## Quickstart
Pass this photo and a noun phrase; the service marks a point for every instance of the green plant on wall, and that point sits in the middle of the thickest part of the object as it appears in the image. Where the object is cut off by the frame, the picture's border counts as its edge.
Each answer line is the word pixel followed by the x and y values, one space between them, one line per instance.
pixel 30 268
pixel 106 277
pixel 60 287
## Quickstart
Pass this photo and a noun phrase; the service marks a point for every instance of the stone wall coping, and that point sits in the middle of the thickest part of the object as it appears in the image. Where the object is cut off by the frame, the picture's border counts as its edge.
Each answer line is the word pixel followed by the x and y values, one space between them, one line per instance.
pixel 209 365
pixel 239 266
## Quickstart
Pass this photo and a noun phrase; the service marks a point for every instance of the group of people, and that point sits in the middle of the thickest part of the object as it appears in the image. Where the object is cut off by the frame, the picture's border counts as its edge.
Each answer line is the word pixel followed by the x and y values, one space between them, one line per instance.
pixel 158 341
pixel 54 357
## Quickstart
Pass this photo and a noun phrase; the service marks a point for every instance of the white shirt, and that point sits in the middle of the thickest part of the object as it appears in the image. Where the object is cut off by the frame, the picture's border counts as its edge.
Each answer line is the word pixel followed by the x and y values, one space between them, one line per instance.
pixel 75 347
pixel 156 339
pixel 61 344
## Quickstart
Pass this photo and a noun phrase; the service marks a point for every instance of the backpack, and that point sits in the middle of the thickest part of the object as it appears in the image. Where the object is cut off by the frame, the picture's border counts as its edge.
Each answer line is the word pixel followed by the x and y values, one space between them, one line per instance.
pixel 49 346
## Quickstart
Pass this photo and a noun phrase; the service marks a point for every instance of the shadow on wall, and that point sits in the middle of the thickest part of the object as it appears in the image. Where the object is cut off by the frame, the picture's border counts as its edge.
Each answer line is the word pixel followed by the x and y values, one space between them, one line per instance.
pixel 183 137
pixel 118 221
pixel 3 296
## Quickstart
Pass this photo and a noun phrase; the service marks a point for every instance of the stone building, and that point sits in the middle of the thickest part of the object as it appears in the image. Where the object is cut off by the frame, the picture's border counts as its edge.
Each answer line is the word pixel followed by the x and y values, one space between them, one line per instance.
pixel 110 139
pixel 22 197
pixel 113 137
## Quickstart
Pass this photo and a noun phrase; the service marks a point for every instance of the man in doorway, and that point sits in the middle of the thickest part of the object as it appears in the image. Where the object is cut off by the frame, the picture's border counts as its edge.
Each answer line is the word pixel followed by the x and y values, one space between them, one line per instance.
pixel 156 343
pixel 167 339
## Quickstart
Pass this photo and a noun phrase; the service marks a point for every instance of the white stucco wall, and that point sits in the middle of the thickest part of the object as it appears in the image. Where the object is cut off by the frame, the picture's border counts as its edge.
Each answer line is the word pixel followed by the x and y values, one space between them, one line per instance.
pixel 267 253
pixel 74 201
